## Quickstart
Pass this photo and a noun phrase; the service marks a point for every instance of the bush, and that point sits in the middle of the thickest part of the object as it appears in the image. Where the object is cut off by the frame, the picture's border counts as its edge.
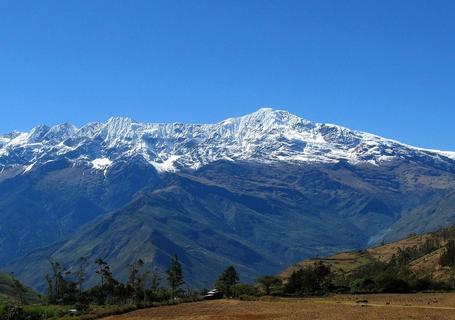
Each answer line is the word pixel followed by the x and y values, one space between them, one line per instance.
pixel 14 313
pixel 391 284
pixel 246 297
pixel 44 311
pixel 3 308
pixel 239 290
pixel 83 303
pixel 269 284
pixel 421 285
pixel 362 285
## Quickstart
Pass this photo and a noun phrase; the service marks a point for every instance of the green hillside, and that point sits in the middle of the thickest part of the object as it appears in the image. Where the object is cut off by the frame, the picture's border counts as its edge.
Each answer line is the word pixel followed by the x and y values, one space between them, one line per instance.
pixel 429 256
pixel 11 290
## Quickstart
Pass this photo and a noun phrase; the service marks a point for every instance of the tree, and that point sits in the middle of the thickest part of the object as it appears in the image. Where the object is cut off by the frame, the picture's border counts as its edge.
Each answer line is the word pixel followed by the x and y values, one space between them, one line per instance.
pixel 156 280
pixel 227 279
pixel 448 256
pixel 294 283
pixel 324 277
pixel 268 282
pixel 136 280
pixel 174 275
pixel 50 289
pixel 104 271
pixel 391 283
pixel 314 279
pixel 80 273
pixel 60 290
pixel 57 281
pixel 108 284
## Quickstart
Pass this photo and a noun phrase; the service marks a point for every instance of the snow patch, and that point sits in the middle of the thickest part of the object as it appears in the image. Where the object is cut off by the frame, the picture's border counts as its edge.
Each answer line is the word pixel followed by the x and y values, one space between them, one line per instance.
pixel 28 168
pixel 101 163
pixel 167 165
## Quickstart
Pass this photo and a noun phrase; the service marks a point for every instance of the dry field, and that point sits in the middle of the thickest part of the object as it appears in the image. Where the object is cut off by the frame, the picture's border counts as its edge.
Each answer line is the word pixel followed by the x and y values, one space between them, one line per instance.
pixel 340 307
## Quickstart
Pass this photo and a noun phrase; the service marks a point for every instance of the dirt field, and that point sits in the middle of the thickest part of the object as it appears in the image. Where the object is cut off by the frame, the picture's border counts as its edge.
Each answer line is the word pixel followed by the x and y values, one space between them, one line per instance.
pixel 341 307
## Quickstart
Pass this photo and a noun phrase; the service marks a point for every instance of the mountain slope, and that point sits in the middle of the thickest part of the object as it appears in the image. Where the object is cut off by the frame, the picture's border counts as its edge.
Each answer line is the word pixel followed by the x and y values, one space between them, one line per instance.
pixel 423 253
pixel 52 202
pixel 260 191
pixel 260 219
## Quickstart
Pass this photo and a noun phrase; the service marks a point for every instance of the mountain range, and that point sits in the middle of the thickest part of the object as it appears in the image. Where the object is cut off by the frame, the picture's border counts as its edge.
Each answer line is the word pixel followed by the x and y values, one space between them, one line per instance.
pixel 261 192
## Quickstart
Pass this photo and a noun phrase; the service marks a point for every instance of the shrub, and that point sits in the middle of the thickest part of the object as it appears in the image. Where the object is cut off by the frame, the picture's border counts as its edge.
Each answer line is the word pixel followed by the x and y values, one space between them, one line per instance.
pixel 391 284
pixel 362 285
pixel 246 297
pixel 239 290
pixel 14 313
pixel 269 283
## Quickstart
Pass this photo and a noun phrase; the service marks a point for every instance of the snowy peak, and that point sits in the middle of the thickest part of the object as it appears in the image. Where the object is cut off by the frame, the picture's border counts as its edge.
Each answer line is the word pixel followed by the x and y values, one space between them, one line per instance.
pixel 267 135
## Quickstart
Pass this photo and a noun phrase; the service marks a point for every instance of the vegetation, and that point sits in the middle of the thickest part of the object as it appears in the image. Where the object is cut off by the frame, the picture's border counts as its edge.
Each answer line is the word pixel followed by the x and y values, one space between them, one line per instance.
pixel 66 294
pixel 270 285
pixel 390 268
pixel 418 263
pixel 448 257
pixel 175 276
pixel 312 280
pixel 227 280
pixel 14 291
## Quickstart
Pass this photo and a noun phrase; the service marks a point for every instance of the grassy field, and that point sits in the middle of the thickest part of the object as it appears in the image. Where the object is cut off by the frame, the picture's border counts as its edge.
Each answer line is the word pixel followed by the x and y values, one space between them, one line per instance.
pixel 340 307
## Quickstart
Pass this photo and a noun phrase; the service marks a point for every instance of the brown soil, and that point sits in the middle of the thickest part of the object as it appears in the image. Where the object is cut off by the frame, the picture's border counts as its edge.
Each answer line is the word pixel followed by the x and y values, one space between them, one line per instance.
pixel 340 307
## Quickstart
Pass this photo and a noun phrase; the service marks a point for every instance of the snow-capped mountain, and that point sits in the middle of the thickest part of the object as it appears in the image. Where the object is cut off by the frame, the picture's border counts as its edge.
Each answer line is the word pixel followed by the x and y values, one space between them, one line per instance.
pixel 284 189
pixel 266 135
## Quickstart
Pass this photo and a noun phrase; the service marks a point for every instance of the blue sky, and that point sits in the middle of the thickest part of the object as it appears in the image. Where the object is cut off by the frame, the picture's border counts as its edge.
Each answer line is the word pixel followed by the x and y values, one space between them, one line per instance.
pixel 387 67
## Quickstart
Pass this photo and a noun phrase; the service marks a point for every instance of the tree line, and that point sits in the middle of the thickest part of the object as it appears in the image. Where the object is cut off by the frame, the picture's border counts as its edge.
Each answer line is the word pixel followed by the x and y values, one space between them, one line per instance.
pixel 142 286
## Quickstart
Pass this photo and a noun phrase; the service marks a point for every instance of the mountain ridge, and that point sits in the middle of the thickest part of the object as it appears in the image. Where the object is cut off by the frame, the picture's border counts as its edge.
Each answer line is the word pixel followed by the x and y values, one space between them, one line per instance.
pixel 267 135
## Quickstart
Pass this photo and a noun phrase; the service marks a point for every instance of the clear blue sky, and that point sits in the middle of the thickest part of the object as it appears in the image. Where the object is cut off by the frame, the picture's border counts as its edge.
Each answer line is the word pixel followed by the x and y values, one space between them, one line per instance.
pixel 387 67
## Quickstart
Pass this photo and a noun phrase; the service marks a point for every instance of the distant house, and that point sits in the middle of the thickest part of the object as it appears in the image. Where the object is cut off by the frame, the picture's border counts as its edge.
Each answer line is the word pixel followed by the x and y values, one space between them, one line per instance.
pixel 213 294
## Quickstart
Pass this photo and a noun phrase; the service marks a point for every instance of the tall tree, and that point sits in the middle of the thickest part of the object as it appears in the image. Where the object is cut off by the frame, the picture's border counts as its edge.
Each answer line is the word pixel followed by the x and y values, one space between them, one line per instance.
pixel 58 280
pixel 227 279
pixel 107 282
pixel 156 280
pixel 80 273
pixel 60 289
pixel 104 271
pixel 136 280
pixel 50 289
pixel 294 283
pixel 175 275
